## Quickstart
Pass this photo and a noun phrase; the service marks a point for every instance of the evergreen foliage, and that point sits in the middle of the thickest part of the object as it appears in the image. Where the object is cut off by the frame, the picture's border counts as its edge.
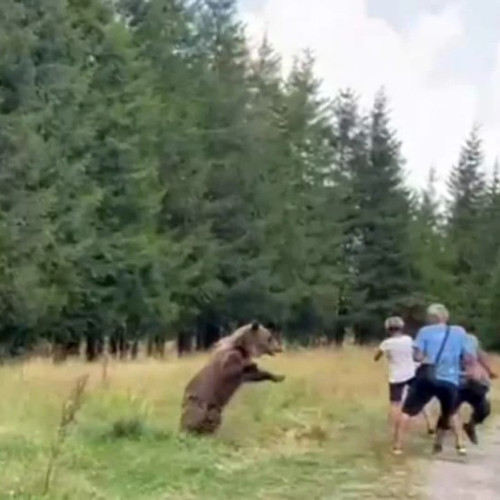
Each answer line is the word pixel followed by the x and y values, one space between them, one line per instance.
pixel 156 178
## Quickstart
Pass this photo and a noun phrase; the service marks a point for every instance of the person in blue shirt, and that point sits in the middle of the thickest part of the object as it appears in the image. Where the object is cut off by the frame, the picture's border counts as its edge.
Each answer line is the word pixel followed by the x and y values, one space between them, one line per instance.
pixel 455 348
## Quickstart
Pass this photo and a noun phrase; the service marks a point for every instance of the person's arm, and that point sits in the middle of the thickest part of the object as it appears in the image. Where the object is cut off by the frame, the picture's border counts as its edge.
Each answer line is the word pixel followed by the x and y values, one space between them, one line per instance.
pixel 380 351
pixel 418 355
pixel 484 362
pixel 468 355
pixel 419 350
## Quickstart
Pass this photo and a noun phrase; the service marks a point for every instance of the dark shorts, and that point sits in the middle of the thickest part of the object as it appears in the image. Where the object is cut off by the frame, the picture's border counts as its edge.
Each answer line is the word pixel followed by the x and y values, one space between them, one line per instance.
pixel 397 390
pixel 476 395
pixel 472 391
pixel 422 391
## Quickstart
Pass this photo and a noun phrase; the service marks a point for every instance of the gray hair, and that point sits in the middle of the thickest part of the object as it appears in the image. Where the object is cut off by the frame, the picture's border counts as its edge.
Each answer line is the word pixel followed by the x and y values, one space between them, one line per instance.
pixel 438 312
pixel 394 322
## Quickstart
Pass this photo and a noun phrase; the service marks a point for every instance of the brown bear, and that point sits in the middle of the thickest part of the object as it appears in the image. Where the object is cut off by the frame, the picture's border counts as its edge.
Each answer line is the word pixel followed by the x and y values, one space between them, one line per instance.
pixel 231 365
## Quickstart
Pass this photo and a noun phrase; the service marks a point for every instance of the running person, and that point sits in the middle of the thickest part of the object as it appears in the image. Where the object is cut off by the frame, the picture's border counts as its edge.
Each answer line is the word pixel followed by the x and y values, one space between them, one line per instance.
pixel 474 388
pixel 441 348
pixel 398 349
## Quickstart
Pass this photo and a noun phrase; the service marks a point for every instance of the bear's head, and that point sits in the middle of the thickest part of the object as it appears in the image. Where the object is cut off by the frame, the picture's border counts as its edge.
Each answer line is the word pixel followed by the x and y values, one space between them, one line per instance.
pixel 255 339
pixel 260 340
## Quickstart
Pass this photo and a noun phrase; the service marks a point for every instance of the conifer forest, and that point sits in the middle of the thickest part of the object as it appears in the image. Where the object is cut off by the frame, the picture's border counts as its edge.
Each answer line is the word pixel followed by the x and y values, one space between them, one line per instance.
pixel 158 180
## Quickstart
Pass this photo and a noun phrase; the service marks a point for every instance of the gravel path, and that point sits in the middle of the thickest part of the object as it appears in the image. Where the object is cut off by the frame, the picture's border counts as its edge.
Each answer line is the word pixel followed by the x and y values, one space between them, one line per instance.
pixel 475 477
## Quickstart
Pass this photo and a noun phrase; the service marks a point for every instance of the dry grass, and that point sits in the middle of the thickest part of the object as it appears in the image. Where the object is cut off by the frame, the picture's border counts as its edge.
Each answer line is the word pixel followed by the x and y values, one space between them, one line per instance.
pixel 321 434
pixel 69 411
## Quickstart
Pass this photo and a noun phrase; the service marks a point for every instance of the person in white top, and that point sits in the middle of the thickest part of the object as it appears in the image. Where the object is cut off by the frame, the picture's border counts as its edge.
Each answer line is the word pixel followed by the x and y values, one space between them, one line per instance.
pixel 398 349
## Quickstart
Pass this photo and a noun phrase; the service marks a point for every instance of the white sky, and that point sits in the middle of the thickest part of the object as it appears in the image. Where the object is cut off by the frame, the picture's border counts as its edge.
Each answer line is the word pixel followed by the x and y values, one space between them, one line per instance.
pixel 435 98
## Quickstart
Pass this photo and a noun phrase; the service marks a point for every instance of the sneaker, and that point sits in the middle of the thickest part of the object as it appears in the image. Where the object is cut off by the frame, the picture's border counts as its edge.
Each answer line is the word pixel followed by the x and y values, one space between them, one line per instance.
pixel 397 452
pixel 462 450
pixel 431 431
pixel 470 432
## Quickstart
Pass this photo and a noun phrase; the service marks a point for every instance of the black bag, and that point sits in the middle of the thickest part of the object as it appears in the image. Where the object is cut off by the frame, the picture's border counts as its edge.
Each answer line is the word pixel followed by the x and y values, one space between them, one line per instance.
pixel 427 371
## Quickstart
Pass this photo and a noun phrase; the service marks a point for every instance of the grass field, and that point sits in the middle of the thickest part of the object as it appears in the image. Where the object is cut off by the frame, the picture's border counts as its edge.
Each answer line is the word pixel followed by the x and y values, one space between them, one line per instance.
pixel 321 434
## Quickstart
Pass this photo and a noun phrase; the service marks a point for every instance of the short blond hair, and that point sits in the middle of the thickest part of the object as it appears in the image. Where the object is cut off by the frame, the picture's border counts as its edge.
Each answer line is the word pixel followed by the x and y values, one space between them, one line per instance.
pixel 394 322
pixel 438 312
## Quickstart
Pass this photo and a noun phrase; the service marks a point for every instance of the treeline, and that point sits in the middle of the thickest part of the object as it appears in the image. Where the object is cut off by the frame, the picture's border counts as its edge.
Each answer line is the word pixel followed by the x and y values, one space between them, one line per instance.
pixel 156 179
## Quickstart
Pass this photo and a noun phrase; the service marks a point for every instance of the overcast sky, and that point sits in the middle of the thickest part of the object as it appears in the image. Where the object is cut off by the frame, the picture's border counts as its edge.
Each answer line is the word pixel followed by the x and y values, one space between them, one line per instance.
pixel 438 59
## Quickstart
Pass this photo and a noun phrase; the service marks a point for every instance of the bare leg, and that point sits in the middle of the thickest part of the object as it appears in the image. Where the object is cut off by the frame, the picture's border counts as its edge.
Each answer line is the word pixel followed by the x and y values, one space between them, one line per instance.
pixel 394 416
pixel 428 423
pixel 401 429
pixel 456 427
pixel 438 440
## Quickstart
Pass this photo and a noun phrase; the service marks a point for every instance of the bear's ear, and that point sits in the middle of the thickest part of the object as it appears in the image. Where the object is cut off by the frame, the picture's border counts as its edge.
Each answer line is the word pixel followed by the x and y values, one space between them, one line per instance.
pixel 255 325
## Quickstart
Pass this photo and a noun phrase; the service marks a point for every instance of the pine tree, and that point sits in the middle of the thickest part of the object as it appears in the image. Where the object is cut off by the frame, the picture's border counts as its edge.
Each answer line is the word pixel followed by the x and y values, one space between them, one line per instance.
pixel 431 260
pixel 167 34
pixel 314 235
pixel 488 273
pixel 266 155
pixel 490 320
pixel 490 237
pixel 47 198
pixel 467 184
pixel 383 266
pixel 156 177
pixel 230 197
pixel 130 264
pixel 350 145
pixel 466 216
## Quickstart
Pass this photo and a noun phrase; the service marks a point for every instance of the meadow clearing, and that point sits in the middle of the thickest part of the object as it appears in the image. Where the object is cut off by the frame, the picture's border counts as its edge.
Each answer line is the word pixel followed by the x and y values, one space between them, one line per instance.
pixel 321 434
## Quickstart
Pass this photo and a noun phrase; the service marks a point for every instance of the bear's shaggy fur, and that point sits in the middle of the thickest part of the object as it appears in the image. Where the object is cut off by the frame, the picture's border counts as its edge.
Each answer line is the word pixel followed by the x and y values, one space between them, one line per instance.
pixel 231 365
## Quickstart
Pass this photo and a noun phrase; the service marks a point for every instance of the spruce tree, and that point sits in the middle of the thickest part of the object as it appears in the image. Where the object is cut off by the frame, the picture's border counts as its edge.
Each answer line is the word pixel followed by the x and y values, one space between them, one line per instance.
pixel 47 198
pixel 383 266
pixel 312 222
pixel 350 147
pixel 167 33
pixel 432 263
pixel 467 190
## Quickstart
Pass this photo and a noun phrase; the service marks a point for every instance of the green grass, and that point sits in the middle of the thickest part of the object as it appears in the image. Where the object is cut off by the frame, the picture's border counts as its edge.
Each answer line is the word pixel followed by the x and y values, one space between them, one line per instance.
pixel 322 434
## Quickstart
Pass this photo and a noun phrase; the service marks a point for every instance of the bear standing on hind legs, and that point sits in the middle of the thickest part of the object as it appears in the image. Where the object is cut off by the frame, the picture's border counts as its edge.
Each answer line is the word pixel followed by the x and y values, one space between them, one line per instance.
pixel 231 365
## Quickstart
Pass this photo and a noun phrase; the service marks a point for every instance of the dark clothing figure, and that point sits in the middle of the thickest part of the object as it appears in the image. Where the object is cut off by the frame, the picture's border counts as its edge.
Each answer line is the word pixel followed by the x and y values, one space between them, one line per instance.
pixel 474 388
pixel 423 391
pixel 476 395
pixel 211 389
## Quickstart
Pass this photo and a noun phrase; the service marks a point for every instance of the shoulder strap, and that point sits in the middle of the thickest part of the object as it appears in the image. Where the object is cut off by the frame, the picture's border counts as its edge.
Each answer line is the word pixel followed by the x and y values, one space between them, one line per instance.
pixel 446 335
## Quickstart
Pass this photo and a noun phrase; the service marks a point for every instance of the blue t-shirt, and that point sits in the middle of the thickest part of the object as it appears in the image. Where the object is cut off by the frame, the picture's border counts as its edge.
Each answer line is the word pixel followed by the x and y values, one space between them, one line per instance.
pixel 474 344
pixel 429 340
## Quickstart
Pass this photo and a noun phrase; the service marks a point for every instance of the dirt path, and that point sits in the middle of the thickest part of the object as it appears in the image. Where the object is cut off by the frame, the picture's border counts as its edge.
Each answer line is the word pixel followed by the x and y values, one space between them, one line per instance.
pixel 475 477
